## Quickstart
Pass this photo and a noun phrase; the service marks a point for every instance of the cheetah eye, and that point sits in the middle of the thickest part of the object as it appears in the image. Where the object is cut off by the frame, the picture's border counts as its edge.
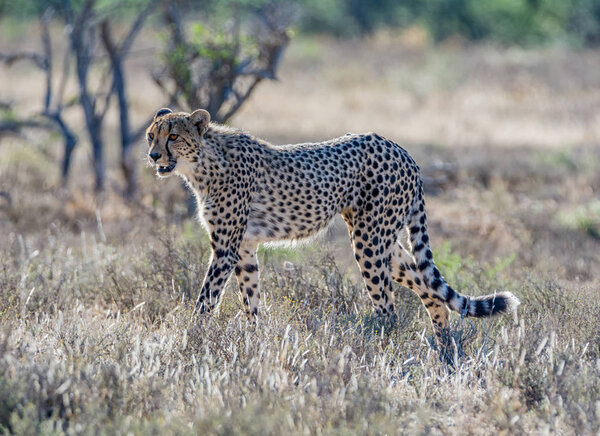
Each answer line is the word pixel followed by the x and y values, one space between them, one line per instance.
pixel 150 136
pixel 173 136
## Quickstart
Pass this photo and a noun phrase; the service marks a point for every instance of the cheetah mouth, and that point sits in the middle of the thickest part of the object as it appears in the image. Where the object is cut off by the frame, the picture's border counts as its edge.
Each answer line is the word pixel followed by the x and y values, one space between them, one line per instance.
pixel 161 169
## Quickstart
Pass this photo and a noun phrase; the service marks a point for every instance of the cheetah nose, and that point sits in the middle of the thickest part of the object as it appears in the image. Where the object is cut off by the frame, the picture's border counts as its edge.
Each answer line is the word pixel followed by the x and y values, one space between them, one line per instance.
pixel 155 156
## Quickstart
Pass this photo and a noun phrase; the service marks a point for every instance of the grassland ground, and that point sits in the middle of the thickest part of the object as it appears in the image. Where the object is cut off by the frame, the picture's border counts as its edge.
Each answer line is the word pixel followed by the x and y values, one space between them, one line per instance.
pixel 96 332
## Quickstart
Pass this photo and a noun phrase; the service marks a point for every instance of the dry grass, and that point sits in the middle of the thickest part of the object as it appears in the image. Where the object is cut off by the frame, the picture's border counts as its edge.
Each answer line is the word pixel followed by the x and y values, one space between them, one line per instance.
pixel 99 337
pixel 96 334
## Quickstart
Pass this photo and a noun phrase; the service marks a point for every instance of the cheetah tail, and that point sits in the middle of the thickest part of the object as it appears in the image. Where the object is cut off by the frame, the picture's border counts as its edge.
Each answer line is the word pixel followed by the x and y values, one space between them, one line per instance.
pixel 484 306
pixel 487 305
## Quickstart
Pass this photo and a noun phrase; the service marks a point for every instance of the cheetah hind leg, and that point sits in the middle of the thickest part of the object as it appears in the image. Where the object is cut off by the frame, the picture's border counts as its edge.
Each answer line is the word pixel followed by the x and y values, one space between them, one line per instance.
pixel 247 274
pixel 435 285
pixel 478 307
pixel 404 272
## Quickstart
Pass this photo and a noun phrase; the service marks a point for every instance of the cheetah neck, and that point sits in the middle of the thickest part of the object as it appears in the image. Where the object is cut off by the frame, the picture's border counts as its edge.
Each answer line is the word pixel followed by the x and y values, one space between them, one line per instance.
pixel 204 169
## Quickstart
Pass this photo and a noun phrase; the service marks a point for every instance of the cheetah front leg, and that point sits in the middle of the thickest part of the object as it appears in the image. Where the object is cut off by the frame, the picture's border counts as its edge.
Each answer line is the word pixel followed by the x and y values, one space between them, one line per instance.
pixel 221 266
pixel 372 253
pixel 225 243
pixel 247 275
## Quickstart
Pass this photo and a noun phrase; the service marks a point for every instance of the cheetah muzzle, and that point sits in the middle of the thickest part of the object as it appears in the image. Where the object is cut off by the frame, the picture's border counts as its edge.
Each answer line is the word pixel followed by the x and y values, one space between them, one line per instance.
pixel 251 192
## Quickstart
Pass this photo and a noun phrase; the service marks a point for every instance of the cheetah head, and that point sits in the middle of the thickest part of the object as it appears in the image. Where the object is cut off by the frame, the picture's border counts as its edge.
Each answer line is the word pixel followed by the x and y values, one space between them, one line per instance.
pixel 174 138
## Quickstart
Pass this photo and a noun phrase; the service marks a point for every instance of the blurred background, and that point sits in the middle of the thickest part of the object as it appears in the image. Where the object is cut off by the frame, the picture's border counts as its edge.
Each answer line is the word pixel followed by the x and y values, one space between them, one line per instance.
pixel 498 101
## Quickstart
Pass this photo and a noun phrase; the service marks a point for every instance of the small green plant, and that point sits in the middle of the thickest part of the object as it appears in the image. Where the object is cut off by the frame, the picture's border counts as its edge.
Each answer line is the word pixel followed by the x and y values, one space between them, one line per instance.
pixel 500 265
pixel 456 269
pixel 584 218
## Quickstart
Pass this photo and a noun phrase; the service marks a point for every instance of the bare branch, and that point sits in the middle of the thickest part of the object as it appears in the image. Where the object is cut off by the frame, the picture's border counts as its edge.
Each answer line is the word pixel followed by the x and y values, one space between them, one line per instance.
pixel 219 73
pixel 270 54
pixel 173 19
pixel 16 126
pixel 68 8
pixel 82 40
pixel 64 78
pixel 70 141
pixel 86 13
pixel 117 55
pixel 54 116
pixel 10 58
pixel 47 45
pixel 240 100
pixel 7 196
pixel 136 27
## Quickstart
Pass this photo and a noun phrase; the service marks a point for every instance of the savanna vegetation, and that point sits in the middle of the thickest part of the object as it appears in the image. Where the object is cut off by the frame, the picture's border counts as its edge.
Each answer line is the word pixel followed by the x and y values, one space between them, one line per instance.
pixel 96 289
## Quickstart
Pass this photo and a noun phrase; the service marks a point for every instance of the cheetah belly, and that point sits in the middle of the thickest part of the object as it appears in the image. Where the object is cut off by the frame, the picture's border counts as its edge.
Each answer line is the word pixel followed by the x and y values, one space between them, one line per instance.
pixel 300 193
pixel 291 215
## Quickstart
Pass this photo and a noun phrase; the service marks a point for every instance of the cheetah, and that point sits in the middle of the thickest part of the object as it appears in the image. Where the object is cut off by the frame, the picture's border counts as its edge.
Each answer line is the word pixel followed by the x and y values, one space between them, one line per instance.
pixel 251 192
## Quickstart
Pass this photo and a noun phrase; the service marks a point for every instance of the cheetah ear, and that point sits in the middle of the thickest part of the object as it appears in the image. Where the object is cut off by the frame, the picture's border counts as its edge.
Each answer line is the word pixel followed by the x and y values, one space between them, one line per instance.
pixel 200 118
pixel 163 111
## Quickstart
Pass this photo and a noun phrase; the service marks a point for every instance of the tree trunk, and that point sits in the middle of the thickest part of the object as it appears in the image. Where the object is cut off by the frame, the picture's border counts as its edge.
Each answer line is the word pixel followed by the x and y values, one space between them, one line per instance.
pixel 70 143
pixel 127 162
pixel 98 153
pixel 117 55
